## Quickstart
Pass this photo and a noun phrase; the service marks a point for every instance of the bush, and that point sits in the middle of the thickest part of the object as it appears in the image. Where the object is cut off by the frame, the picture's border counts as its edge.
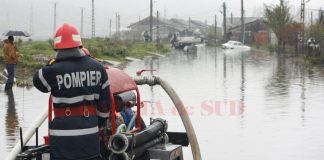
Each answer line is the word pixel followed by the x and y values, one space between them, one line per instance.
pixel 271 48
pixel 41 46
pixel 103 47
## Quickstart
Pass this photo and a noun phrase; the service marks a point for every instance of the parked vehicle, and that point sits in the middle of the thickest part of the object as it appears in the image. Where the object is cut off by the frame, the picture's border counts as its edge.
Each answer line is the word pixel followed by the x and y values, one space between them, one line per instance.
pixel 186 38
pixel 235 45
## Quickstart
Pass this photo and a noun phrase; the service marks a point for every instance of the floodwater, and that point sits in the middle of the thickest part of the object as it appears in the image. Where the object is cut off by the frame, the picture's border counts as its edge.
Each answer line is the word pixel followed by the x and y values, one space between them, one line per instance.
pixel 243 105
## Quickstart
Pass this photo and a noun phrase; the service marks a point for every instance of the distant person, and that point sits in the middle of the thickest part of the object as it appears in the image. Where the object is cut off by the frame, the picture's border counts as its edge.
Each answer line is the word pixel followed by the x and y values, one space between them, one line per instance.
pixel 174 40
pixel 10 59
pixel 79 88
pixel 146 36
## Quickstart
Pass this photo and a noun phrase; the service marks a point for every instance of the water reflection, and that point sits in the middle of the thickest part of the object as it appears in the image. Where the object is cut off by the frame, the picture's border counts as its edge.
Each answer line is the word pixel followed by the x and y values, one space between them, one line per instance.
pixel 151 87
pixel 303 95
pixel 12 122
pixel 277 89
pixel 242 88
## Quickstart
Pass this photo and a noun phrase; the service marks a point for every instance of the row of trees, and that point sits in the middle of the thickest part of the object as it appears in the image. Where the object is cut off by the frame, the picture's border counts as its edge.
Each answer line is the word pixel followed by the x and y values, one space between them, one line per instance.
pixel 289 32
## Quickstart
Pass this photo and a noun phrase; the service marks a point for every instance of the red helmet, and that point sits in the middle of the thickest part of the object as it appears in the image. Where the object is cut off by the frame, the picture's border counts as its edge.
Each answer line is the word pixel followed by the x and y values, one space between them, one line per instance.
pixel 67 36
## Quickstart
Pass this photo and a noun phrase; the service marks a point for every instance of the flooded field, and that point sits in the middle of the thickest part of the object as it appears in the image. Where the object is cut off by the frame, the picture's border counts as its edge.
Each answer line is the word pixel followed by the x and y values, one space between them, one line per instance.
pixel 248 106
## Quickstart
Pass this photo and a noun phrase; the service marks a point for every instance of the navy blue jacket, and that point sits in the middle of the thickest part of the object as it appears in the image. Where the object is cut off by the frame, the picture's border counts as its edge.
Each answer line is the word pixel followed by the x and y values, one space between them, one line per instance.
pixel 75 80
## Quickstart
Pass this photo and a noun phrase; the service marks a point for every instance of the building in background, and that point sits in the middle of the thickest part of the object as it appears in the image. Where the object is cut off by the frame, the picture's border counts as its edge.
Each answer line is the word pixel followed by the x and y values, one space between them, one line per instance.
pixel 256 31
pixel 166 28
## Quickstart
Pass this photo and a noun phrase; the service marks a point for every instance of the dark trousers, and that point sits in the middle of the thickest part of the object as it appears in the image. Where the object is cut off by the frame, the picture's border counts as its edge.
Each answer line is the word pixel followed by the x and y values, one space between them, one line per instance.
pixel 11 74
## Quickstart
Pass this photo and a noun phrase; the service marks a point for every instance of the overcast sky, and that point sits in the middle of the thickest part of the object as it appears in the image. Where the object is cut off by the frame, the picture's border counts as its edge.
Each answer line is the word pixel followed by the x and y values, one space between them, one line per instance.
pixel 18 14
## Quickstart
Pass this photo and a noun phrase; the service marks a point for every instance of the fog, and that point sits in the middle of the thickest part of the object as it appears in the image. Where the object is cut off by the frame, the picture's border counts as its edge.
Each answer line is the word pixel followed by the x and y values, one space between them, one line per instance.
pixel 36 16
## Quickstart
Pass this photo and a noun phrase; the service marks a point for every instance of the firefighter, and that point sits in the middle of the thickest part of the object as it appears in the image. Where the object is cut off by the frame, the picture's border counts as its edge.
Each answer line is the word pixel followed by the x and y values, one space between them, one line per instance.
pixel 79 88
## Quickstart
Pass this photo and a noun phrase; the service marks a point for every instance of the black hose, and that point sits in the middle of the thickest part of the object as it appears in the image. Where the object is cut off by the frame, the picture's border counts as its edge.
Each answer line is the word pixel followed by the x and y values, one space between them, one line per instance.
pixel 140 150
pixel 21 139
pixel 120 142
pixel 36 137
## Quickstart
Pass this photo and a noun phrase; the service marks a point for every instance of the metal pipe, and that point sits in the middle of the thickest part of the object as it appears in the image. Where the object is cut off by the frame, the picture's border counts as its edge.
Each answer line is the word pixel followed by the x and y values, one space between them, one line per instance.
pixel 3 77
pixel 122 156
pixel 131 122
pixel 153 80
pixel 28 134
pixel 136 152
pixel 119 143
pixel 121 128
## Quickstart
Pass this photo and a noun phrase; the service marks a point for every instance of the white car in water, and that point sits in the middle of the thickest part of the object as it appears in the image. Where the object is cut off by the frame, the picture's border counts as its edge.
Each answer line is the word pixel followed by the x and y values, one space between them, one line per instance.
pixel 235 45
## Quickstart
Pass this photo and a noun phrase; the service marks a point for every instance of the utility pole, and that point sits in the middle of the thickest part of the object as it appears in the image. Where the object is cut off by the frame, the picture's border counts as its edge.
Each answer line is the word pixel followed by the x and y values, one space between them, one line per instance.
pixel 54 27
pixel 31 18
pixel 242 22
pixel 110 28
pixel 118 26
pixel 189 24
pixel 231 17
pixel 151 20
pixel 206 28
pixel 81 29
pixel 158 28
pixel 302 19
pixel 93 32
pixel 311 18
pixel 224 21
pixel 215 29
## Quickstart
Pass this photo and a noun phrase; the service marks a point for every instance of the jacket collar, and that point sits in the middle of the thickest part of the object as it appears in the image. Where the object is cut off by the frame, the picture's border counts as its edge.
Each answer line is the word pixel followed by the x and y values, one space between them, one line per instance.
pixel 7 41
pixel 70 53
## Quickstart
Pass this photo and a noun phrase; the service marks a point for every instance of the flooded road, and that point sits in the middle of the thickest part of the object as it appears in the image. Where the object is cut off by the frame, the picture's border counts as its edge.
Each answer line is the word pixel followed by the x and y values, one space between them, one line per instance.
pixel 251 105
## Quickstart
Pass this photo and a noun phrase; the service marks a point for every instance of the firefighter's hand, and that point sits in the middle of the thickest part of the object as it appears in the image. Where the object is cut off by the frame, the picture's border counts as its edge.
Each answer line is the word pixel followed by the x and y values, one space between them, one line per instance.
pixel 51 62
